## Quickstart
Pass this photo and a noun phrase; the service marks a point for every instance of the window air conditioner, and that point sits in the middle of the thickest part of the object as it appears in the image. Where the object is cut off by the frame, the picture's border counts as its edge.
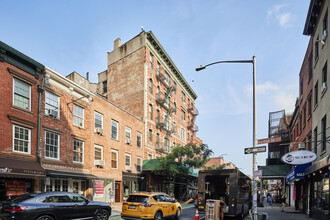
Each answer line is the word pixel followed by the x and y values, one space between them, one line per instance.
pixel 99 163
pixel 128 141
pixel 99 131
pixel 301 146
pixel 324 86
pixel 324 35
pixel 129 168
pixel 53 113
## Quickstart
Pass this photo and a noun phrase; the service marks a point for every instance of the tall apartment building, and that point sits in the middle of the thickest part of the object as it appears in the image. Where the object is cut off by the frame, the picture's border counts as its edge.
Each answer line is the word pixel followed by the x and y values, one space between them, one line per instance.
pixel 317 27
pixel 143 80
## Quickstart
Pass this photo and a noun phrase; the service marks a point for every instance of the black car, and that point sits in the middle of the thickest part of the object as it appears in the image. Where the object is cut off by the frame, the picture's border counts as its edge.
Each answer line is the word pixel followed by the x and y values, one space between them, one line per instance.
pixel 53 206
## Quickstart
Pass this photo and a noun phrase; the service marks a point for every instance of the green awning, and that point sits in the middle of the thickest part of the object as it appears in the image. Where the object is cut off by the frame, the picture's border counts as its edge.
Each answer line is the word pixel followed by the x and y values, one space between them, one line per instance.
pixel 153 164
pixel 275 170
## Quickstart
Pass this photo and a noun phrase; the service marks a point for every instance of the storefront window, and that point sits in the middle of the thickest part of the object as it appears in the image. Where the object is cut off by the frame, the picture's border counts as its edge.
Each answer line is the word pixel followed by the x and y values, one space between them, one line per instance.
pixel 321 193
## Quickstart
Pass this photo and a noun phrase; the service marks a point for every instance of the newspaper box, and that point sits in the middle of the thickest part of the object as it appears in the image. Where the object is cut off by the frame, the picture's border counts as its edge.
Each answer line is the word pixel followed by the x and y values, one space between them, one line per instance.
pixel 212 209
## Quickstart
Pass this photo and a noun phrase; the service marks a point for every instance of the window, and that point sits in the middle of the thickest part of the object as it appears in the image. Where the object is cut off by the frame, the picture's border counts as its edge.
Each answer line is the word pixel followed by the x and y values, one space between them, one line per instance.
pixel 52 106
pixel 310 71
pixel 157 140
pixel 150 86
pixel 158 67
pixel 150 111
pixel 114 159
pixel 150 136
pixel 315 140
pixel 304 114
pixel 324 133
pixel 52 147
pixel 98 121
pixel 174 90
pixel 78 151
pixel 183 115
pixel 324 78
pixel 300 123
pixel 166 144
pixel 316 49
pixel 128 134
pixel 139 164
pixel 167 78
pixel 309 105
pixel 98 153
pixel 22 139
pixel 175 108
pixel 151 60
pixel 315 94
pixel 127 160
pixel 301 88
pixel 174 127
pixel 183 97
pixel 325 27
pixel 114 130
pixel 78 116
pixel 139 140
pixel 105 86
pixel 309 142
pixel 22 94
pixel 183 134
pixel 158 116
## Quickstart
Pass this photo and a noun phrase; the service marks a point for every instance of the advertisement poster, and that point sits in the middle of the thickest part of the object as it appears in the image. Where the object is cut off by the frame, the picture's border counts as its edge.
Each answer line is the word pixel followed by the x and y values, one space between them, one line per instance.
pixel 15 187
pixel 99 189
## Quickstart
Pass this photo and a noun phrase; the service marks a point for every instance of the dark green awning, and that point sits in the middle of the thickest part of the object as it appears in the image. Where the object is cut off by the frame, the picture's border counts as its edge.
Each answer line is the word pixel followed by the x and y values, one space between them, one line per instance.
pixel 275 170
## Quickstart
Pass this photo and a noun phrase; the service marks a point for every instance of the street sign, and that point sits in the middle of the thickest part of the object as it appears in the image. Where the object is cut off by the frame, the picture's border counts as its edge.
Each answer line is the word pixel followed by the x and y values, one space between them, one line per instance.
pixel 269 140
pixel 257 173
pixel 251 150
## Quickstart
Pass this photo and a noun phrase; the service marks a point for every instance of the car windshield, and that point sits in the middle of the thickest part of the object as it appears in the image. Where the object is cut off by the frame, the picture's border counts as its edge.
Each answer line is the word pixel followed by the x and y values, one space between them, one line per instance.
pixel 22 197
pixel 136 198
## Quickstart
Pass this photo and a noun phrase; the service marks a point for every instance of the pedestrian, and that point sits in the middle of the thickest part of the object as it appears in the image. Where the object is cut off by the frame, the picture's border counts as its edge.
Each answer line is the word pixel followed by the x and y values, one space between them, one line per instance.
pixel 222 208
pixel 283 200
pixel 270 199
pixel 112 198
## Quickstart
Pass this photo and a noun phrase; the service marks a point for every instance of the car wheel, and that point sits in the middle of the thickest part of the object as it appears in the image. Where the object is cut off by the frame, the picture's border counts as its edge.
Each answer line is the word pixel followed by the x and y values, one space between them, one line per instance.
pixel 158 216
pixel 102 214
pixel 45 217
pixel 178 214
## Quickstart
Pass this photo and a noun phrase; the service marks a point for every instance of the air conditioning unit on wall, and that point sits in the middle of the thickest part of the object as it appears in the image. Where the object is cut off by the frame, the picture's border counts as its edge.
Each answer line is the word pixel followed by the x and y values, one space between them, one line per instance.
pixel 99 163
pixel 53 113
pixel 129 168
pixel 128 141
pixel 99 131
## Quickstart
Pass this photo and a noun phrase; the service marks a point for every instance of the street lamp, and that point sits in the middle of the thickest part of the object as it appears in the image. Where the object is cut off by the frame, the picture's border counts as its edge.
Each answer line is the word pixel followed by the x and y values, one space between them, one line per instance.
pixel 254 182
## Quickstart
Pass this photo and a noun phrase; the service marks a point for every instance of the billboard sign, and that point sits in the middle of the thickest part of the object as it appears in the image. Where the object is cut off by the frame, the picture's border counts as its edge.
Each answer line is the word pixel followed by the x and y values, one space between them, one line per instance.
pixel 299 157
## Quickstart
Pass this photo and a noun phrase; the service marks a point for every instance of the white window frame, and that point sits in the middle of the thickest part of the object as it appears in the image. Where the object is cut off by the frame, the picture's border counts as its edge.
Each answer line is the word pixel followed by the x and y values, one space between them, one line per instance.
pixel 29 95
pixel 79 117
pixel 130 160
pixel 97 114
pixel 128 130
pixel 58 147
pixel 139 134
pixel 29 139
pixel 99 147
pixel 137 164
pixel 117 126
pixel 116 152
pixel 183 134
pixel 54 106
pixel 82 152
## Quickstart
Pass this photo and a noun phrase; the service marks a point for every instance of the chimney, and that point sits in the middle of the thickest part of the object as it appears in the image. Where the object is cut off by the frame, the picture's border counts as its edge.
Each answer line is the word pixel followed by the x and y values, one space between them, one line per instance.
pixel 116 43
pixel 87 75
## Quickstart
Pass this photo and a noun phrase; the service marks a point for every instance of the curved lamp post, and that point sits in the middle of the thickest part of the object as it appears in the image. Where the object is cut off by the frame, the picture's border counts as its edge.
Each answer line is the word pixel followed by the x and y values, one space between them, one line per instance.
pixel 254 182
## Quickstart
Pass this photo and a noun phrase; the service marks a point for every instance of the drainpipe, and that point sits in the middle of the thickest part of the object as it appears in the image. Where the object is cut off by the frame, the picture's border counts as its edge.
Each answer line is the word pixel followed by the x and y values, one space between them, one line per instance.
pixel 40 91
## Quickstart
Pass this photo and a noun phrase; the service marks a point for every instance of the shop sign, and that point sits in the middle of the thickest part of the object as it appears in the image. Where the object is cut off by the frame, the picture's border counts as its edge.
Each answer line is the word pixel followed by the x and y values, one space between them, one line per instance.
pixel 15 187
pixel 299 157
pixel 99 188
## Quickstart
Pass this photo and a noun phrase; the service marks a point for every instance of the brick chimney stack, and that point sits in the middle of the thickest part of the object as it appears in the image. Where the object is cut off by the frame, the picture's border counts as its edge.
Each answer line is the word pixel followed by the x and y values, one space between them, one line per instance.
pixel 116 43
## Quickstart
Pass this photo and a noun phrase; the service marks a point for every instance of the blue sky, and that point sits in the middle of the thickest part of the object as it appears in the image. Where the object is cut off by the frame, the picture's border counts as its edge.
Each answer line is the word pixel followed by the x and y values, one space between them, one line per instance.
pixel 75 35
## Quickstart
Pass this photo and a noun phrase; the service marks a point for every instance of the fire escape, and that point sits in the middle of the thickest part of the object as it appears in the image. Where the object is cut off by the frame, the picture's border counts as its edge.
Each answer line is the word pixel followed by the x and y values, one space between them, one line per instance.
pixel 164 101
pixel 191 123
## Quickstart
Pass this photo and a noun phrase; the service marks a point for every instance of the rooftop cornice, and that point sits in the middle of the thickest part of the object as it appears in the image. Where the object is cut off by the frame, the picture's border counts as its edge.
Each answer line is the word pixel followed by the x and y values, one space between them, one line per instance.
pixel 313 15
pixel 153 40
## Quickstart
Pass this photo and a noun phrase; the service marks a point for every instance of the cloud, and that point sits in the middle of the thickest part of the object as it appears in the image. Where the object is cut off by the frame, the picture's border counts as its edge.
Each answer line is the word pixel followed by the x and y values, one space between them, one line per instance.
pixel 284 19
pixel 263 88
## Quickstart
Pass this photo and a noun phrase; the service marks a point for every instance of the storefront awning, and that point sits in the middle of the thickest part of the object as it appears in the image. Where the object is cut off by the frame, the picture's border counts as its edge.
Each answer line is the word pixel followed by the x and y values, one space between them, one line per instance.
pixel 318 165
pixel 275 170
pixel 74 175
pixel 15 168
pixel 297 172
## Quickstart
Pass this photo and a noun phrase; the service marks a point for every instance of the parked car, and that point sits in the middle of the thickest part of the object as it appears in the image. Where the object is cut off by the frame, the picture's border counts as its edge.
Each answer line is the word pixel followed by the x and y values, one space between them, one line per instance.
pixel 150 205
pixel 53 206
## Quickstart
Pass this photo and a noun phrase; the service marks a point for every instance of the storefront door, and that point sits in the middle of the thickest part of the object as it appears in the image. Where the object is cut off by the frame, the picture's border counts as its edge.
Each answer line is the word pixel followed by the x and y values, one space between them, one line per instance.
pixel 117 192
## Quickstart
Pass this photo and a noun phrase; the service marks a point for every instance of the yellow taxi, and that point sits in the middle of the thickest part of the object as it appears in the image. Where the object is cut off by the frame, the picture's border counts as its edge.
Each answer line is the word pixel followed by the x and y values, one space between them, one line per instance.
pixel 150 205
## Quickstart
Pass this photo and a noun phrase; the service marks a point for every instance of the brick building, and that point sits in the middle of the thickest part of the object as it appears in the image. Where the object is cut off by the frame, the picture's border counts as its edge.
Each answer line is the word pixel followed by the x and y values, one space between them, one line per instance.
pixel 20 89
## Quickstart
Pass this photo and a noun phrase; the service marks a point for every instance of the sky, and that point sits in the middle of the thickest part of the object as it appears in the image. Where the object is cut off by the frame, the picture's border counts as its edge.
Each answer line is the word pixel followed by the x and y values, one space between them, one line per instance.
pixel 75 35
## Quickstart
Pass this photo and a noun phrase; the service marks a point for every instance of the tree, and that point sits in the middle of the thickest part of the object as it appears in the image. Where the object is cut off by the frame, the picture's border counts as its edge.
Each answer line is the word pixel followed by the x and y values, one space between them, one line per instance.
pixel 182 158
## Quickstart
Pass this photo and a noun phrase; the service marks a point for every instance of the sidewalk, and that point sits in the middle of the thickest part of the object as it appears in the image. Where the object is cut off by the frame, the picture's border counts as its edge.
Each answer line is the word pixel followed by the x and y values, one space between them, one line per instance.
pixel 116 211
pixel 274 213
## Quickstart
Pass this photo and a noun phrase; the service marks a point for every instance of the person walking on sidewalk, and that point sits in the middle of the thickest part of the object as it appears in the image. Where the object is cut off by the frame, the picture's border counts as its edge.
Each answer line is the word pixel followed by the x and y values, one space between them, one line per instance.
pixel 270 199
pixel 112 198
pixel 222 208
pixel 283 200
